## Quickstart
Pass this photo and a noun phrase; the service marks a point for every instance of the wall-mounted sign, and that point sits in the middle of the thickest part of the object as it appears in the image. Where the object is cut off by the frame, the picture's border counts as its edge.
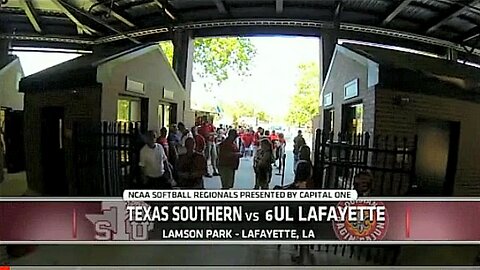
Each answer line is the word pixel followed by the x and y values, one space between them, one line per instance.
pixel 134 86
pixel 167 94
pixel 351 89
pixel 328 99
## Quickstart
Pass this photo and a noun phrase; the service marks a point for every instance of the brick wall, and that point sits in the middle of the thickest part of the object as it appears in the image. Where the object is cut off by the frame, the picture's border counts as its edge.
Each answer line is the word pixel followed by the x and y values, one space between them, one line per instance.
pixel 391 119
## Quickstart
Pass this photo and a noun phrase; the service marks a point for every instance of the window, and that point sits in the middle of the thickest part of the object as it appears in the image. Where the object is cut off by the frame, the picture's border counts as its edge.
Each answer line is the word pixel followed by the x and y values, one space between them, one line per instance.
pixel 164 115
pixel 332 120
pixel 351 89
pixel 328 99
pixel 128 110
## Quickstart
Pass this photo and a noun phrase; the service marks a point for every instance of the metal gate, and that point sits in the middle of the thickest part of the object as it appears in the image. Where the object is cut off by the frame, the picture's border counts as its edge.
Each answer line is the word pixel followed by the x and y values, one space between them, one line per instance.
pixel 389 159
pixel 106 157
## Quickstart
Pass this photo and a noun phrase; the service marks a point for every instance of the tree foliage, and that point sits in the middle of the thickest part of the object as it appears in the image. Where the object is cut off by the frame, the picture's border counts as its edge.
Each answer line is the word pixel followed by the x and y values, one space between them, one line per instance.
pixel 244 109
pixel 215 58
pixel 167 48
pixel 305 102
pixel 263 116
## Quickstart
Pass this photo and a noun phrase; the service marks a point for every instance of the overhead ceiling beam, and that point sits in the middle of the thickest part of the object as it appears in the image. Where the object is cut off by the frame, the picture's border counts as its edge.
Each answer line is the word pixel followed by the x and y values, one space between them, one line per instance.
pixel 452 15
pixel 221 6
pixel 403 4
pixel 32 15
pixel 470 35
pixel 115 12
pixel 166 8
pixel 81 28
pixel 97 20
pixel 279 6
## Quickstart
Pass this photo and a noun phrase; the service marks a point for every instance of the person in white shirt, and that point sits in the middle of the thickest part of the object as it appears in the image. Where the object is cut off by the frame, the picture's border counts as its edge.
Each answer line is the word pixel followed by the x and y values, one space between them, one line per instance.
pixel 152 161
pixel 185 133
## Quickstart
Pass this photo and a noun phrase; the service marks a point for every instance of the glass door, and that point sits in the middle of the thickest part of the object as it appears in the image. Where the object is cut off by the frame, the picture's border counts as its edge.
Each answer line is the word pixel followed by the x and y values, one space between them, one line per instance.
pixel 352 118
pixel 164 115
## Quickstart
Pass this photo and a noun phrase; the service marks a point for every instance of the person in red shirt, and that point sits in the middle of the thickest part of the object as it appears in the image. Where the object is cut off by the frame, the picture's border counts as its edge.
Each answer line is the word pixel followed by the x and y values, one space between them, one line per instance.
pixel 247 140
pixel 239 141
pixel 162 139
pixel 199 141
pixel 207 130
pixel 228 159
pixel 273 137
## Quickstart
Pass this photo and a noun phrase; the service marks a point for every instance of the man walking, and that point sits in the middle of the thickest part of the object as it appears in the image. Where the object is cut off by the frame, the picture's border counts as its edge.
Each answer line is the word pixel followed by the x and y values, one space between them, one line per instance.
pixel 152 158
pixel 298 142
pixel 185 133
pixel 229 159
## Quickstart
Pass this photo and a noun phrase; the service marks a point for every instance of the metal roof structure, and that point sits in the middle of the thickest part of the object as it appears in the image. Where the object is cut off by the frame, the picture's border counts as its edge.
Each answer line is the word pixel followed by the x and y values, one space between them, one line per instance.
pixel 425 24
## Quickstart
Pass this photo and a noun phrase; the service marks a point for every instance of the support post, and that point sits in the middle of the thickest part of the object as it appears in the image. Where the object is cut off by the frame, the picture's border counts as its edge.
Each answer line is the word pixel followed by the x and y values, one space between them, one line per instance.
pixel 183 66
pixel 4 52
pixel 183 57
pixel 328 41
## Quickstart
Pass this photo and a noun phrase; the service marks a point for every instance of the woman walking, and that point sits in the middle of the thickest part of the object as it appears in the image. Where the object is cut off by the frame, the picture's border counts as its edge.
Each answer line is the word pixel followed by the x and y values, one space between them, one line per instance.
pixel 262 165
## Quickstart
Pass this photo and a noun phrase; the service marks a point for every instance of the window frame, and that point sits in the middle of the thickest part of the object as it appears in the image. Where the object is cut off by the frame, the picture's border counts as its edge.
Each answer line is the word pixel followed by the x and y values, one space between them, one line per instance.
pixel 349 84
pixel 130 101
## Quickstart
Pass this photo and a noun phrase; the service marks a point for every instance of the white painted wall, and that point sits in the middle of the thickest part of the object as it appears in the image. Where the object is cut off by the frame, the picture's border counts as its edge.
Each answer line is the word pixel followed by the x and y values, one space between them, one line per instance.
pixel 10 76
pixel 149 66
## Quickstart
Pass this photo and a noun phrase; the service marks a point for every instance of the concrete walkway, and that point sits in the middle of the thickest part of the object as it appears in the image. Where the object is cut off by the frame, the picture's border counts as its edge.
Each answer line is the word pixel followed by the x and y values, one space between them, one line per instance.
pixel 245 176
pixel 15 184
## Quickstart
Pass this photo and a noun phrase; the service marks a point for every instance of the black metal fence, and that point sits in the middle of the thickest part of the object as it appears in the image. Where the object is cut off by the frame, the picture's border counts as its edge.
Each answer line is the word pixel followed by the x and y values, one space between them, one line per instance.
pixel 105 157
pixel 390 160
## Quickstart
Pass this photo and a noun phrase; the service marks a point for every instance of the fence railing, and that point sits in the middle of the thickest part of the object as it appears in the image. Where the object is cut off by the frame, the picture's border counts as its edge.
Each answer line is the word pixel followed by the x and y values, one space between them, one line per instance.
pixel 389 159
pixel 106 156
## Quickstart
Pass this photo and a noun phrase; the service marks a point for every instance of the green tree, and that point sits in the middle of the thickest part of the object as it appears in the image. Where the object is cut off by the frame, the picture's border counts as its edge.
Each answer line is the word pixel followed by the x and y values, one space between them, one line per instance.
pixel 167 48
pixel 215 58
pixel 244 109
pixel 238 109
pixel 263 116
pixel 305 102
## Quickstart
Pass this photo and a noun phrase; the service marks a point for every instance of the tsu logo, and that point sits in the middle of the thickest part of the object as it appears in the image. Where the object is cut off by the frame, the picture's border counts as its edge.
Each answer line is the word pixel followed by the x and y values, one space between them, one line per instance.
pixel 113 223
pixel 362 230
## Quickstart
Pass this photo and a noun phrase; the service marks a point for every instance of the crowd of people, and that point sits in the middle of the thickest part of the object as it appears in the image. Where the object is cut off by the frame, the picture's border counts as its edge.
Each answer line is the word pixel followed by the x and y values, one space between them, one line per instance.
pixel 181 157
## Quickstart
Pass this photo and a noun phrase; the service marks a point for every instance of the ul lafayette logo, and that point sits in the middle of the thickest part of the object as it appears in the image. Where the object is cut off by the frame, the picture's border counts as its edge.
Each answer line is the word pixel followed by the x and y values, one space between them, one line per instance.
pixel 113 223
pixel 367 229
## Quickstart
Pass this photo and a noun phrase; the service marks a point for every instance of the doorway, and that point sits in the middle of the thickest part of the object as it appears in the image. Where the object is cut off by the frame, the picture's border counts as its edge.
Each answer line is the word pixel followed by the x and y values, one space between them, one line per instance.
pixel 164 110
pixel 329 120
pixel 437 156
pixel 352 118
pixel 53 151
pixel 13 138
pixel 173 113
